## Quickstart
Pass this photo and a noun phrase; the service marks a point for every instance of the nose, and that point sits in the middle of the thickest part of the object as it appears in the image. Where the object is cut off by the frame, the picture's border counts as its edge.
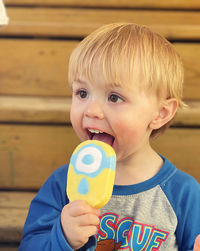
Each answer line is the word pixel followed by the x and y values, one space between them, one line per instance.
pixel 94 110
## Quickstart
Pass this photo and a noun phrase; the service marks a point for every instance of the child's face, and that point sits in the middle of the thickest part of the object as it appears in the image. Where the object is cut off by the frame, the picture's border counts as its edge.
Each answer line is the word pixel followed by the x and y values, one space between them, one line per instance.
pixel 124 115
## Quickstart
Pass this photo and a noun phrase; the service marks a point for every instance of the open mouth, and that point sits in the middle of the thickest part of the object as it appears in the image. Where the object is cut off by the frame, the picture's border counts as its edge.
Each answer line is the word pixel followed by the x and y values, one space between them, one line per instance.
pixel 101 136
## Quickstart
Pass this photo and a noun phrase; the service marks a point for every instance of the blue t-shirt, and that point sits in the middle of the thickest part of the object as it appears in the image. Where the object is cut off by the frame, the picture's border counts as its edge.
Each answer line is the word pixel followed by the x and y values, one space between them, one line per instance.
pixel 162 213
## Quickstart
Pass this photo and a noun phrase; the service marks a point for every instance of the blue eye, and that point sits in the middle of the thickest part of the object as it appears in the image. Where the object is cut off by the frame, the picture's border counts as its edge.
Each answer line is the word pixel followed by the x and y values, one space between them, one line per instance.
pixel 114 98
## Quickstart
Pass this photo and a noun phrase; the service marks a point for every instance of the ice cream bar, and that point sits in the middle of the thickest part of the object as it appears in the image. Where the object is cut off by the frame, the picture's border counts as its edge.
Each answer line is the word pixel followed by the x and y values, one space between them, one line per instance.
pixel 91 173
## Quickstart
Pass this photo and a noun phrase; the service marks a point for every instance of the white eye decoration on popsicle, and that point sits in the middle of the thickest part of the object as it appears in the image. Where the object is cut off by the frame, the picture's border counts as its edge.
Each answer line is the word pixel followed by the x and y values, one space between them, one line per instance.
pixel 91 173
pixel 88 160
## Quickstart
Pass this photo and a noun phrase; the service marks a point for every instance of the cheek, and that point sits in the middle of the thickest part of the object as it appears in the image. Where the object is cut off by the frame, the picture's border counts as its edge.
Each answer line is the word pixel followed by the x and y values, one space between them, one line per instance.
pixel 121 126
pixel 75 117
pixel 72 115
pixel 128 130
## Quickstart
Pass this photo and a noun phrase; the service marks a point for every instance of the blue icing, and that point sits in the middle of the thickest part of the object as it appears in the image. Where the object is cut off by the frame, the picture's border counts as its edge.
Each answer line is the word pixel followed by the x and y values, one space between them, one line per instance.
pixel 113 161
pixel 83 187
pixel 105 162
pixel 88 159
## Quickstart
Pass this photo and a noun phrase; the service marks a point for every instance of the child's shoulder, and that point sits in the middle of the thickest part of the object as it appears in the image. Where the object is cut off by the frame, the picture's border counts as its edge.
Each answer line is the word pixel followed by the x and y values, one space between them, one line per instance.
pixel 177 177
pixel 183 194
pixel 180 177
pixel 185 179
pixel 61 171
pixel 180 186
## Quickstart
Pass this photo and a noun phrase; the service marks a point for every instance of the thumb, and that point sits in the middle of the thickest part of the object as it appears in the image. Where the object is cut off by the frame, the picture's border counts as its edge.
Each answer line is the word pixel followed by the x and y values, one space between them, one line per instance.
pixel 197 244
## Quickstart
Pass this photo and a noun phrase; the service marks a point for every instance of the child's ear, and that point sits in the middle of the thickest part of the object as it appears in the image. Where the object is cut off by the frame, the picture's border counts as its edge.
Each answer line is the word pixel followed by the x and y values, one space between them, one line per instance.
pixel 165 114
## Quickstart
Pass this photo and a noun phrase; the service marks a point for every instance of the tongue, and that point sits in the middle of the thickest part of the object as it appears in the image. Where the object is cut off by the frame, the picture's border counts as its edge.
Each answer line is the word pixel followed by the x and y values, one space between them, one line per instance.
pixel 104 137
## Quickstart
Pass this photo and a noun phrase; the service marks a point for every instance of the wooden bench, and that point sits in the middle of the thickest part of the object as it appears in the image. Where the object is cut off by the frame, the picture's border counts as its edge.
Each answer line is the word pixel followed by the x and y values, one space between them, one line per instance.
pixel 36 136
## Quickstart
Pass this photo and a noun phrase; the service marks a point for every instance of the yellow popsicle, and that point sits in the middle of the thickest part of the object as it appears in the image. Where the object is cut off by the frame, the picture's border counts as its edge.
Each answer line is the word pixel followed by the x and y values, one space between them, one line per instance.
pixel 91 173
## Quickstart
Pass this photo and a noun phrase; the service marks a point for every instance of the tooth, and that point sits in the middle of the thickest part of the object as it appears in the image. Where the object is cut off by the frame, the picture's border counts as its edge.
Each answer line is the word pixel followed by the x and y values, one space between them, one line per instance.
pixel 94 131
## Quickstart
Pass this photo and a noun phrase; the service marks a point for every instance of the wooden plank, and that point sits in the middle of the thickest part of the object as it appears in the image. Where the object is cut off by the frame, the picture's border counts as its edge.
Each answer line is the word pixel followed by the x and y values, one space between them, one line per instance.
pixel 190 54
pixel 34 109
pixel 46 73
pixel 29 154
pixel 75 22
pixel 8 248
pixel 179 4
pixel 13 211
pixel 31 67
pixel 189 116
pixel 22 109
pixel 181 146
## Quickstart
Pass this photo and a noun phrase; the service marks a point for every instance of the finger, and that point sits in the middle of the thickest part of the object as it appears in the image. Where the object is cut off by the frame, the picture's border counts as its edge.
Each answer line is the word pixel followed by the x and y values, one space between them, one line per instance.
pixel 90 231
pixel 197 244
pixel 88 220
pixel 84 235
pixel 97 212
pixel 79 207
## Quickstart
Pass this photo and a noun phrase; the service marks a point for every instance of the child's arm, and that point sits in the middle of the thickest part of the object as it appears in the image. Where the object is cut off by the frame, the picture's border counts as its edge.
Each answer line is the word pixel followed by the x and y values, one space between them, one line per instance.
pixel 43 229
pixel 183 193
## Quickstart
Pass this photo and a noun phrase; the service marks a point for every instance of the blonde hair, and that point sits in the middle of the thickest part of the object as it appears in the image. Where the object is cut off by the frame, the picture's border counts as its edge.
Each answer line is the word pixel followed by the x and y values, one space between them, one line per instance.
pixel 118 49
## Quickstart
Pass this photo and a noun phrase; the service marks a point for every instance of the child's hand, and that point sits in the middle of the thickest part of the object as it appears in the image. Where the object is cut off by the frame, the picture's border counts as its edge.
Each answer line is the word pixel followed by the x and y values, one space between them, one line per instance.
pixel 197 244
pixel 79 221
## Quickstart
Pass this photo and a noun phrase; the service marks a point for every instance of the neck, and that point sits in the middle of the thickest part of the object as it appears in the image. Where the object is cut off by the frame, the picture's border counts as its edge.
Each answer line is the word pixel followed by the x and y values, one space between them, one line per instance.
pixel 138 168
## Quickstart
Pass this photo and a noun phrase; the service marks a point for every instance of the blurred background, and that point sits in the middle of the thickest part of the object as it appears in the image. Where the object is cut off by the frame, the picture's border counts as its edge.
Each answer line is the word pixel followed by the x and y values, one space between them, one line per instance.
pixel 36 136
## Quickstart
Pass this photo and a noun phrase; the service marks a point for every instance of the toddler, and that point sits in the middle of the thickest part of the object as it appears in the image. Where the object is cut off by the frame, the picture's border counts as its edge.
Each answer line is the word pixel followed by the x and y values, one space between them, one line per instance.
pixel 127 85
